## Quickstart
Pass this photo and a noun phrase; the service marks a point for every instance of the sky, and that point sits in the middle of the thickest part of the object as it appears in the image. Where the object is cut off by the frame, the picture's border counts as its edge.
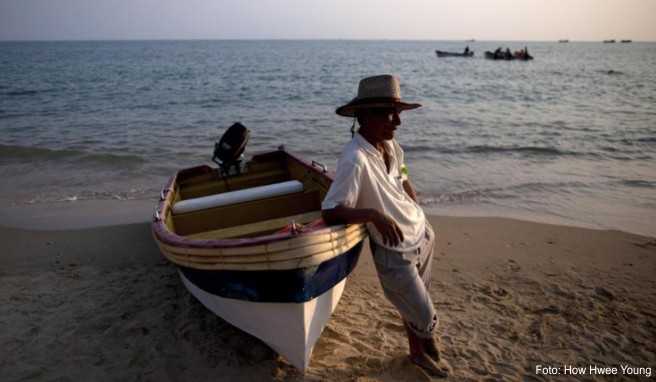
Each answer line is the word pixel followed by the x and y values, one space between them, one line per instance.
pixel 526 20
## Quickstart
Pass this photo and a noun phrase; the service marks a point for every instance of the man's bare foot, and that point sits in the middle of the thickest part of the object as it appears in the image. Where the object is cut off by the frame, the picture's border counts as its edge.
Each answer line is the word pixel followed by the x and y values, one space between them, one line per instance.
pixel 430 366
pixel 430 347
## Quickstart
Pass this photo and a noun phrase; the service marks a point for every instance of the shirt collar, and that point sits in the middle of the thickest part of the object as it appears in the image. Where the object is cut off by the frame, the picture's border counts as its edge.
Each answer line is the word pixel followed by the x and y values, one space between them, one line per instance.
pixel 368 147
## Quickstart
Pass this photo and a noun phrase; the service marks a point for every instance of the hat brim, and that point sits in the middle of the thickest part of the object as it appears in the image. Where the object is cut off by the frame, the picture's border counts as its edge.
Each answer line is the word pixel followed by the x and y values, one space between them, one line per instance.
pixel 350 109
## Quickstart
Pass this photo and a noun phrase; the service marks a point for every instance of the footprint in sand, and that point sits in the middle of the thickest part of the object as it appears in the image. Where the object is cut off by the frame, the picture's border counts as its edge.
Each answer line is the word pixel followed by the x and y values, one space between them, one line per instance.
pixel 604 293
pixel 496 292
pixel 513 266
pixel 480 299
pixel 646 245
pixel 365 348
pixel 330 332
pixel 551 309
pixel 537 329
pixel 393 326
pixel 401 369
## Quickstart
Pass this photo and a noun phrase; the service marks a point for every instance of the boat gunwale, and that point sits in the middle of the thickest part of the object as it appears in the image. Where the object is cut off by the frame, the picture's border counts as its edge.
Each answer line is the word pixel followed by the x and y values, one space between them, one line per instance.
pixel 166 236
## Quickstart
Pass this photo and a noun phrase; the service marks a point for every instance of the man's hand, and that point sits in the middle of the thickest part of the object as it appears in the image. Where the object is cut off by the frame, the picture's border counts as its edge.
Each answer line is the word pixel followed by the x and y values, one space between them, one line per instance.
pixel 388 229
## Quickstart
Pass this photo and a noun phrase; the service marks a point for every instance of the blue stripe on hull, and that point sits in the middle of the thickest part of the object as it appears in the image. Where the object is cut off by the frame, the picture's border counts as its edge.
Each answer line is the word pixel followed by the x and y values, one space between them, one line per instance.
pixel 295 285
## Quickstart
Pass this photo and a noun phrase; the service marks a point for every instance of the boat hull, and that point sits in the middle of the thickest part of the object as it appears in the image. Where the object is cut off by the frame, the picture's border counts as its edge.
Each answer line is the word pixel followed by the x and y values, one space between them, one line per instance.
pixel 291 329
pixel 514 57
pixel 286 309
pixel 440 53
pixel 290 285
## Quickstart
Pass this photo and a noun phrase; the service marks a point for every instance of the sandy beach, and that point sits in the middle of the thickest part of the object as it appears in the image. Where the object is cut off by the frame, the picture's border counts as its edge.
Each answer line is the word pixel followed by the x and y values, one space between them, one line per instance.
pixel 524 130
pixel 102 304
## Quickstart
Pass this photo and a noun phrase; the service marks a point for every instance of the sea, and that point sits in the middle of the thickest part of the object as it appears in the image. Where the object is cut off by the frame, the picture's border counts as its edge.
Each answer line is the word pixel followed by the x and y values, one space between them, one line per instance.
pixel 568 138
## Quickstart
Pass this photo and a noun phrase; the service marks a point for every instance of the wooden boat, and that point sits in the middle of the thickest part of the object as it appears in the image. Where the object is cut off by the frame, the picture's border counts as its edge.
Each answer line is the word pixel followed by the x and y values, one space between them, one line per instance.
pixel 609 41
pixel 564 41
pixel 453 54
pixel 626 41
pixel 267 263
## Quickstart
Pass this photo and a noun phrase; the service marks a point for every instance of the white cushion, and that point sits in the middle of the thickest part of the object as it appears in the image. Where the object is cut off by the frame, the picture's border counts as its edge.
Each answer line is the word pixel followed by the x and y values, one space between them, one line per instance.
pixel 240 196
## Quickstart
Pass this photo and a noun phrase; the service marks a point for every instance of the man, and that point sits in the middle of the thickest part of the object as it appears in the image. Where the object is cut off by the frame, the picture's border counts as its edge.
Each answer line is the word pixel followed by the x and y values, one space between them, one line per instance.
pixel 498 54
pixel 371 186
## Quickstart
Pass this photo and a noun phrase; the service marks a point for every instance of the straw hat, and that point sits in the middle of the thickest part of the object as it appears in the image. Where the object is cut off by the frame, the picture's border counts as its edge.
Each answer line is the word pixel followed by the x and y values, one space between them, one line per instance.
pixel 376 91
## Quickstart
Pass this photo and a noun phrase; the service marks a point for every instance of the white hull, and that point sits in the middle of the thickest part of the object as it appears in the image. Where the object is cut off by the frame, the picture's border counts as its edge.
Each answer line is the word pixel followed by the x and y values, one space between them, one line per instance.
pixel 291 329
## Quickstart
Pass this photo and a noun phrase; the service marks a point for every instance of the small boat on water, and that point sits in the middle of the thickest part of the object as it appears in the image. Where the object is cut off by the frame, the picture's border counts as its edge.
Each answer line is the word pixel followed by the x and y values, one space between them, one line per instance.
pixel 493 56
pixel 626 41
pixel 249 243
pixel 441 53
pixel 564 41
pixel 609 41
pixel 505 56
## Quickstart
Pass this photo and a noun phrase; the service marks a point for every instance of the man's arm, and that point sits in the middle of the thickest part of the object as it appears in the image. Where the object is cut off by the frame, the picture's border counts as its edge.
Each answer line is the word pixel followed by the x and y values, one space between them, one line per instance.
pixel 410 190
pixel 388 229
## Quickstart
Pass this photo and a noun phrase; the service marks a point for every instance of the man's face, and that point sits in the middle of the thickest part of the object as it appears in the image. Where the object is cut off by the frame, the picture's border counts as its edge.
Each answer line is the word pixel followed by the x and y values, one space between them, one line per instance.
pixel 382 122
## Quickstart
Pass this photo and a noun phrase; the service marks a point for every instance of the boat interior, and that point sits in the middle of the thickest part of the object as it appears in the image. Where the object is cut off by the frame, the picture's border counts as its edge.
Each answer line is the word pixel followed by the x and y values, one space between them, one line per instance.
pixel 261 216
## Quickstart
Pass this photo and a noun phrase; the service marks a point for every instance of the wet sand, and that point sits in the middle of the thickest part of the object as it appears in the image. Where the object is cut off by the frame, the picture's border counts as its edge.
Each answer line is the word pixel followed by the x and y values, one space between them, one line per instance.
pixel 102 304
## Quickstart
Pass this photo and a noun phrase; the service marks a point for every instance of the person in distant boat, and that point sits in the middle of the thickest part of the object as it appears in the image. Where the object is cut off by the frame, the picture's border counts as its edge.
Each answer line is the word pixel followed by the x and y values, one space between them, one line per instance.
pixel 372 186
pixel 497 53
pixel 467 50
pixel 508 55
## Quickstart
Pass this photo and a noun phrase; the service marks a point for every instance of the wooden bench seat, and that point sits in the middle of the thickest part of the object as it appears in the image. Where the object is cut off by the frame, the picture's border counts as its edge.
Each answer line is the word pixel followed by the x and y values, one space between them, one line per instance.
pixel 253 228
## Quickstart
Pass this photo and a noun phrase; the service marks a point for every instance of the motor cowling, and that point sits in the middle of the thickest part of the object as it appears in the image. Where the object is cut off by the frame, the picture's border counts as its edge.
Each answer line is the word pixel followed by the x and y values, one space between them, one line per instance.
pixel 229 149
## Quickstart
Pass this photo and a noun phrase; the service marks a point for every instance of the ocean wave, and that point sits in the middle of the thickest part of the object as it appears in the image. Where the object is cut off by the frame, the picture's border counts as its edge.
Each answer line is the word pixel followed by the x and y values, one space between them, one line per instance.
pixel 86 195
pixel 9 154
pixel 486 149
pixel 44 113
pixel 25 92
pixel 422 148
pixel 611 72
pixel 638 183
pixel 459 197
pixel 511 192
pixel 519 149
pixel 15 93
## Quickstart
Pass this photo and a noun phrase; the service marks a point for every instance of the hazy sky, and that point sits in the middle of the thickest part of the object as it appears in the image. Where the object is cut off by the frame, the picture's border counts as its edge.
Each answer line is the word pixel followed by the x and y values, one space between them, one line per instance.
pixel 323 19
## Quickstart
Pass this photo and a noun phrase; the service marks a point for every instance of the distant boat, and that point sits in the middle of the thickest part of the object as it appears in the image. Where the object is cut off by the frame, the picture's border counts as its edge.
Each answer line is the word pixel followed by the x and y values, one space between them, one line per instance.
pixel 491 56
pixel 454 54
pixel 563 41
pixel 503 56
pixel 609 41
pixel 626 41
pixel 470 40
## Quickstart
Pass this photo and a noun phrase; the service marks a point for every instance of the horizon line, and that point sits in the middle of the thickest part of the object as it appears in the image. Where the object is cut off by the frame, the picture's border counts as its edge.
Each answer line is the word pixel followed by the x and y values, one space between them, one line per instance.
pixel 307 39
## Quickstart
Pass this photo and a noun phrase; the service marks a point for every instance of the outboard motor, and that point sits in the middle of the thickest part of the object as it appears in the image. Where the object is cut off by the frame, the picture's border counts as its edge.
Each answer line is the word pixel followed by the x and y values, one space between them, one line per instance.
pixel 228 151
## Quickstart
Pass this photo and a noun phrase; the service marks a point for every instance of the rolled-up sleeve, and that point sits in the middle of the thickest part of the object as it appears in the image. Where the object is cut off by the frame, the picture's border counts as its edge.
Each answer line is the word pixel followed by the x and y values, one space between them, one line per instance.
pixel 345 189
